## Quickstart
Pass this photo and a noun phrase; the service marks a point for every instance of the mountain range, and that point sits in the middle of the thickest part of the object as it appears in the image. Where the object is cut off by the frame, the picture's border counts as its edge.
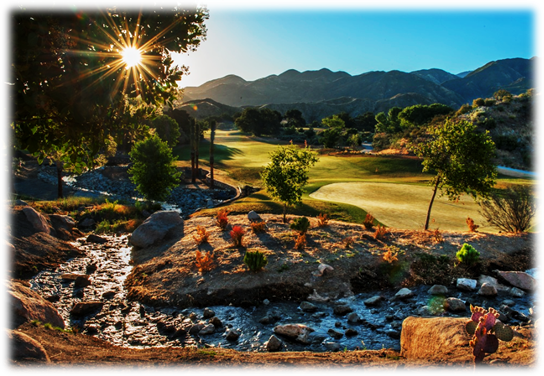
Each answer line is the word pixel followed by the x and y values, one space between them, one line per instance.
pixel 321 93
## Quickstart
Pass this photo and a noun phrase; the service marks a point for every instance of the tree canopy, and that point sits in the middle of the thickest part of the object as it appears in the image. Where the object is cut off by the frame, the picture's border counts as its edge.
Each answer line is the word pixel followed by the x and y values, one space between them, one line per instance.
pixel 462 159
pixel 72 87
pixel 287 173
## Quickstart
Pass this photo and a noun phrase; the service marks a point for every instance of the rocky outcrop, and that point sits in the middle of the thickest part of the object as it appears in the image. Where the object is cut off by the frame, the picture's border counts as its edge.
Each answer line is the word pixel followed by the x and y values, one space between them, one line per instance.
pixel 434 339
pixel 156 228
pixel 26 305
pixel 520 280
pixel 24 347
pixel 37 220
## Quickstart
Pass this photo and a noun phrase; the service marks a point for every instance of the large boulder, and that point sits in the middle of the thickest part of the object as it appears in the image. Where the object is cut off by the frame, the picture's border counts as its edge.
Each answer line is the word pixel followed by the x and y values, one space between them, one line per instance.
pixel 27 305
pixel 24 347
pixel 156 228
pixel 435 338
pixel 37 220
pixel 520 280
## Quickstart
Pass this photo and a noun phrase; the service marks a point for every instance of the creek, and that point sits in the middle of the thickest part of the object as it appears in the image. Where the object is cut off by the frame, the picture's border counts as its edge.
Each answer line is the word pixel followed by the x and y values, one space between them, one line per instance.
pixel 131 324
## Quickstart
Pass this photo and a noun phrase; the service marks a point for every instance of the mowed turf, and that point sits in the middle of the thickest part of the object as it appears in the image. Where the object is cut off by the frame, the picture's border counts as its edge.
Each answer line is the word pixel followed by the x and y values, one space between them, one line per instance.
pixel 393 189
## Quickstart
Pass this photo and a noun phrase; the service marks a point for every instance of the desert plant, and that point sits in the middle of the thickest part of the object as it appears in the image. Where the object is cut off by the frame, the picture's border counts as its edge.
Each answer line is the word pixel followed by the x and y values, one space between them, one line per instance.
pixel 511 210
pixel 203 262
pixel 222 219
pixel 257 227
pixel 237 234
pixel 380 232
pixel 437 236
pixel 472 227
pixel 255 260
pixel 486 330
pixel 392 254
pixel 322 220
pixel 468 254
pixel 301 225
pixel 369 221
pixel 201 235
pixel 347 242
pixel 300 241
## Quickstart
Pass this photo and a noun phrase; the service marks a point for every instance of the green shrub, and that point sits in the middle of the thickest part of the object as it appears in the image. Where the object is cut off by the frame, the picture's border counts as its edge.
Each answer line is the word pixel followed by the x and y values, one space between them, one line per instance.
pixel 478 102
pixel 301 225
pixel 468 254
pixel 255 260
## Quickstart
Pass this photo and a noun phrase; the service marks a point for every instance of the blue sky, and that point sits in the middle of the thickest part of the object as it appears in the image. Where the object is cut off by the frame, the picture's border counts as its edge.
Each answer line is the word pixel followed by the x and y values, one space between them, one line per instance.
pixel 254 43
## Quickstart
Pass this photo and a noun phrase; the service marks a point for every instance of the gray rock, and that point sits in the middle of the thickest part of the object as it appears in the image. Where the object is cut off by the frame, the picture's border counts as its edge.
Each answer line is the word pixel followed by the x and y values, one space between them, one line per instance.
pixel 37 220
pixel 298 332
pixel 466 284
pixel 253 216
pixel 208 313
pixel 520 280
pixel 342 309
pixel 509 302
pixel 438 290
pixel 492 281
pixel 393 333
pixel 403 293
pixel 350 332
pixel 24 347
pixel 315 297
pixel 85 308
pixel 82 281
pixel 87 222
pixel 353 318
pixel 307 307
pixel 207 329
pixel 515 292
pixel 487 290
pixel 332 346
pixel 155 228
pixel 455 305
pixel 336 334
pixel 323 269
pixel 273 343
pixel 373 301
pixel 233 335
pixel 215 321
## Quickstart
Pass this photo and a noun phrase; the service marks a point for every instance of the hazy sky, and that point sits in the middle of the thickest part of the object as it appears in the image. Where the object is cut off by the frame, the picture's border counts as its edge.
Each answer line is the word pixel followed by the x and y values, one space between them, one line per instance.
pixel 257 42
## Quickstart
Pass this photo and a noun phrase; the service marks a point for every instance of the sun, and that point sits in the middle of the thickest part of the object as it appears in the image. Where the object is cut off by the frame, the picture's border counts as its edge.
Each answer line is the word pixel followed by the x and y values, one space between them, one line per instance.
pixel 132 57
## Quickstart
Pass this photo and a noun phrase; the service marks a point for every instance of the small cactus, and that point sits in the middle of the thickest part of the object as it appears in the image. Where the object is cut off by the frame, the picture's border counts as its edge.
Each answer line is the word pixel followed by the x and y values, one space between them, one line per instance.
pixel 486 330
pixel 255 260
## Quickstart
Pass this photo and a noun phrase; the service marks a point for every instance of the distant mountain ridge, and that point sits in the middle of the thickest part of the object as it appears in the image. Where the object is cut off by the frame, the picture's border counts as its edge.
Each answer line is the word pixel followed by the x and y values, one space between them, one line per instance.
pixel 322 91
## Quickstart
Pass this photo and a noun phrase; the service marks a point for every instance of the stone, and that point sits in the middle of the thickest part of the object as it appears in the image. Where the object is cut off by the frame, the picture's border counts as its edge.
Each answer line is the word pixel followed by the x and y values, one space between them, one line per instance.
pixel 27 305
pixel 87 222
pixel 332 346
pixel 156 227
pixel 455 305
pixel 466 284
pixel 215 321
pixel 308 307
pixel 85 308
pixel 195 329
pixel 208 313
pixel 438 290
pixel 520 280
pixel 433 339
pixel 71 276
pixel 273 343
pixel 253 216
pixel 342 309
pixel 403 293
pixel 82 281
pixel 266 302
pixel 232 335
pixel 8 254
pixel 353 318
pixel 536 311
pixel 509 303
pixel 207 329
pixel 315 297
pixel 37 220
pixel 298 332
pixel 350 332
pixel 92 238
pixel 487 290
pixel 395 334
pixel 24 347
pixel 515 292
pixel 491 281
pixel 373 301
pixel 323 269
pixel 335 333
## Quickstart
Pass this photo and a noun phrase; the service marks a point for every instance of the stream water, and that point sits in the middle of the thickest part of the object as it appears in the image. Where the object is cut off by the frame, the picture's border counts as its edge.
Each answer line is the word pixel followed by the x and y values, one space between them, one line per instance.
pixel 131 324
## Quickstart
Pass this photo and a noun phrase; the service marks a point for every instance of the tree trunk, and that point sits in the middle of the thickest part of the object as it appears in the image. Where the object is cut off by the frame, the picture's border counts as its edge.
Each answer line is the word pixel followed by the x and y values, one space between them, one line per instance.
pixel 284 213
pixel 431 204
pixel 10 174
pixel 59 179
pixel 193 175
pixel 212 136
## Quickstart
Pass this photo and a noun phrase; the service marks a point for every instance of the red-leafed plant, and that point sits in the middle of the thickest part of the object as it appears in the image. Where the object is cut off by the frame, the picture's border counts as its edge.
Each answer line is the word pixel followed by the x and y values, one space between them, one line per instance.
pixel 222 219
pixel 237 234
pixel 203 262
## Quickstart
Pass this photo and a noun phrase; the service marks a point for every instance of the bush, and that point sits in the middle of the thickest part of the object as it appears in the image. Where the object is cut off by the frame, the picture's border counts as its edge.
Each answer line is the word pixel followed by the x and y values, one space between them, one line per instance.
pixel 203 263
pixel 472 227
pixel 300 241
pixel 301 225
pixel 478 102
pixel 511 210
pixel 152 171
pixel 222 219
pixel 258 227
pixel 468 254
pixel 201 235
pixel 237 234
pixel 322 220
pixel 381 231
pixel 369 221
pixel 255 260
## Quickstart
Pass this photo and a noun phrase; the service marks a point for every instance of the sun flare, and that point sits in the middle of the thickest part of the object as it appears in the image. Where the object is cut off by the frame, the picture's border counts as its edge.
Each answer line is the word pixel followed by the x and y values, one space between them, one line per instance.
pixel 131 57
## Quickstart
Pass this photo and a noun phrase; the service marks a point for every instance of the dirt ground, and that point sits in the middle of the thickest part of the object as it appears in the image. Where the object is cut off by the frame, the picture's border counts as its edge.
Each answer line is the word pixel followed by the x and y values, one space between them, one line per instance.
pixel 167 272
